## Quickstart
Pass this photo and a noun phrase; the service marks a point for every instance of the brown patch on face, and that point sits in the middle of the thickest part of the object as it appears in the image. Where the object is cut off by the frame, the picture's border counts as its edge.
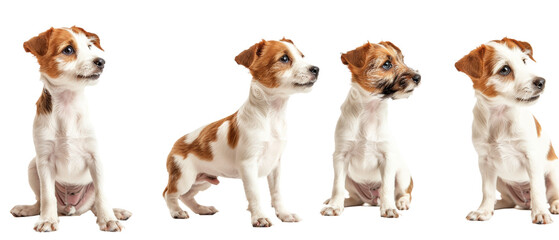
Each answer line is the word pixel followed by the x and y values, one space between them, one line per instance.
pixel 263 61
pixel 538 127
pixel 44 104
pixel 551 153
pixel 92 36
pixel 512 43
pixel 478 65
pixel 366 66
pixel 47 48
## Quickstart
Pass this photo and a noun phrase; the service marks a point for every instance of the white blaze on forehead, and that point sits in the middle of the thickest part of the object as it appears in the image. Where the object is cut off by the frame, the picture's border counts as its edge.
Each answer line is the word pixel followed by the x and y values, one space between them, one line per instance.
pixel 514 57
pixel 293 50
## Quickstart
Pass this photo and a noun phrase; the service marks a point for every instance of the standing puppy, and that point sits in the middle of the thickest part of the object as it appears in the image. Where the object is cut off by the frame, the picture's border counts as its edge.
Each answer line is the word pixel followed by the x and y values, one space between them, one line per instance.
pixel 366 160
pixel 247 144
pixel 66 175
pixel 515 156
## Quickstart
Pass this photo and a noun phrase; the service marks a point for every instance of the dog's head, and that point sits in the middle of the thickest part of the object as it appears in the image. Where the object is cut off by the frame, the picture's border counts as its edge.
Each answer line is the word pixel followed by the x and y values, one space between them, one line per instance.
pixel 500 70
pixel 68 57
pixel 279 65
pixel 380 70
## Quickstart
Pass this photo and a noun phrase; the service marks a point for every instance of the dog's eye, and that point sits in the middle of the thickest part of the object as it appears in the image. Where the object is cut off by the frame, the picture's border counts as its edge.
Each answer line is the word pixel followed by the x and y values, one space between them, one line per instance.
pixel 69 50
pixel 387 65
pixel 89 46
pixel 284 59
pixel 524 60
pixel 505 70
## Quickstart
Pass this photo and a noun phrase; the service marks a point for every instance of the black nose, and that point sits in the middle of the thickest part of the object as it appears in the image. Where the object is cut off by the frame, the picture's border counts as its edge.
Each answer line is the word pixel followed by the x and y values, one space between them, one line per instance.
pixel 539 83
pixel 314 70
pixel 416 78
pixel 99 62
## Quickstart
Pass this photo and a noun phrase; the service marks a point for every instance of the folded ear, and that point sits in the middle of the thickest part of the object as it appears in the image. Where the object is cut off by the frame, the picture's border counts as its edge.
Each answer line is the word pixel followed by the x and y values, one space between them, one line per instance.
pixel 356 57
pixel 287 40
pixel 524 46
pixel 38 45
pixel 472 64
pixel 388 44
pixel 247 57
pixel 91 36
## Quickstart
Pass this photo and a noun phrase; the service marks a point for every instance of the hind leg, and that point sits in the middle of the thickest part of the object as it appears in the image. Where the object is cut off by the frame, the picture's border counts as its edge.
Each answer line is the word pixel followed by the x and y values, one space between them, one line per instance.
pixel 180 181
pixel 188 200
pixel 354 199
pixel 35 209
pixel 506 200
pixel 404 186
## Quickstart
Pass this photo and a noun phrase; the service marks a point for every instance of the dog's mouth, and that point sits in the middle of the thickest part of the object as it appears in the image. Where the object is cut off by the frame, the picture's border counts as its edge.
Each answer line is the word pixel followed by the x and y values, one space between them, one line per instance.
pixel 93 76
pixel 307 84
pixel 527 100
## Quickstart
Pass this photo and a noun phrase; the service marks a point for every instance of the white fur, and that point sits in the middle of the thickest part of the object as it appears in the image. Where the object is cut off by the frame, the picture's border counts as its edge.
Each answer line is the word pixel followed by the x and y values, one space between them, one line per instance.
pixel 505 138
pixel 261 125
pixel 366 153
pixel 66 147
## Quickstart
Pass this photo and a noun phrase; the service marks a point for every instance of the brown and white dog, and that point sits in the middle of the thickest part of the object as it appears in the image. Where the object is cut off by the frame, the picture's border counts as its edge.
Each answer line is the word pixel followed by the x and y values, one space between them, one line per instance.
pixel 515 156
pixel 66 174
pixel 366 160
pixel 247 144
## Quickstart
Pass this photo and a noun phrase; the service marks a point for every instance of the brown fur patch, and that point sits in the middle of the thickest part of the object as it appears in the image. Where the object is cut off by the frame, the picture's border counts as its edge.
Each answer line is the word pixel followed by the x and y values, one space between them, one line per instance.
pixel 478 65
pixel 365 64
pixel 44 104
pixel 538 127
pixel 92 36
pixel 200 147
pixel 551 153
pixel 262 59
pixel 410 188
pixel 512 43
pixel 47 48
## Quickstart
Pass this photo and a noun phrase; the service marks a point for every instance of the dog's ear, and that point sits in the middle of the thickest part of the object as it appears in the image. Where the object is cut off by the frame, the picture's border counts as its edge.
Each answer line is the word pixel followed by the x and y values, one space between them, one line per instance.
pixel 247 57
pixel 91 36
pixel 388 44
pixel 472 64
pixel 524 46
pixel 38 45
pixel 356 57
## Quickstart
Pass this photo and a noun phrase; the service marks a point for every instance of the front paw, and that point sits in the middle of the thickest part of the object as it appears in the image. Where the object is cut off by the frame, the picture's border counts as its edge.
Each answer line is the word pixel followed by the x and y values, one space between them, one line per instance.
pixel 122 214
pixel 46 225
pixel 403 203
pixel 479 215
pixel 541 217
pixel 179 214
pixel 261 222
pixel 389 213
pixel 110 225
pixel 288 217
pixel 332 211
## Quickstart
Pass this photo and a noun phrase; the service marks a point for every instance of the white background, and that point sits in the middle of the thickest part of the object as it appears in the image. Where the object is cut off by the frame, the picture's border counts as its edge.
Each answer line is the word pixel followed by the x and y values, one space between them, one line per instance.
pixel 170 69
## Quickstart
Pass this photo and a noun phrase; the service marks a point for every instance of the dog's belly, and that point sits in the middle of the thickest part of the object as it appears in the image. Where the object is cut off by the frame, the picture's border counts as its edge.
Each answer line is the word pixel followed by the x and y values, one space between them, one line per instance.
pixel 74 199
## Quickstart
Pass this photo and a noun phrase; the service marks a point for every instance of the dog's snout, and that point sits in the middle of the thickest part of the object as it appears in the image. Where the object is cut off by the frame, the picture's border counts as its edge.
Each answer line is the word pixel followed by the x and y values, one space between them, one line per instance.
pixel 314 70
pixel 539 83
pixel 416 78
pixel 99 62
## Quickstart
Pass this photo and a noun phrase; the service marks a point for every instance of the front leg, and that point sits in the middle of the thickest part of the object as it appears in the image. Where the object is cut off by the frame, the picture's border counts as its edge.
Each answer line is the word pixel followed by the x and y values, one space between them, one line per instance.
pixel 248 170
pixel 48 219
pixel 489 186
pixel 335 205
pixel 536 173
pixel 106 218
pixel 277 203
pixel 388 176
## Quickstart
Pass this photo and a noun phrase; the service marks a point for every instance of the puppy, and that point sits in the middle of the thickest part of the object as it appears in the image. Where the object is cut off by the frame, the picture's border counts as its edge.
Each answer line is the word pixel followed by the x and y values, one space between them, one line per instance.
pixel 66 174
pixel 366 160
pixel 247 144
pixel 515 156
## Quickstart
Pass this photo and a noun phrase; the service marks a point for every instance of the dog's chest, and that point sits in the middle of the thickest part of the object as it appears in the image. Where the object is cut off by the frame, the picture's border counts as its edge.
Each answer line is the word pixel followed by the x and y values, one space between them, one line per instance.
pixel 272 147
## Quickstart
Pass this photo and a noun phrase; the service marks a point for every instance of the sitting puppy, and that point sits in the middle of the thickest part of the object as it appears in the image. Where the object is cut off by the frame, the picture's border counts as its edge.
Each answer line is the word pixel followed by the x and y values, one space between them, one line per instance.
pixel 366 160
pixel 515 156
pixel 247 144
pixel 66 175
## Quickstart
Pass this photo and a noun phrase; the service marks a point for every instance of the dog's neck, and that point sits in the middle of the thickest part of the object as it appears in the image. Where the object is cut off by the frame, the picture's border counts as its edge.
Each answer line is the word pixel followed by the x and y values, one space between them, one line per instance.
pixel 66 101
pixel 265 101
pixel 361 103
